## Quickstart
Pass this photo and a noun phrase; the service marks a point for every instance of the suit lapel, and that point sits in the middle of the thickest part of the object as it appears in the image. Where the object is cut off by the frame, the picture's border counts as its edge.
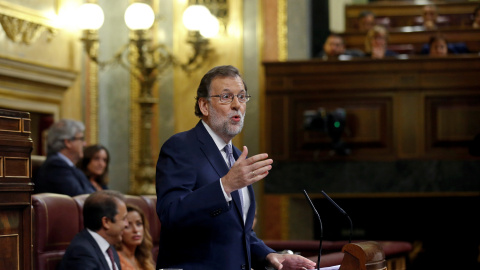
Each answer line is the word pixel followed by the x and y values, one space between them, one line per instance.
pixel 98 251
pixel 213 155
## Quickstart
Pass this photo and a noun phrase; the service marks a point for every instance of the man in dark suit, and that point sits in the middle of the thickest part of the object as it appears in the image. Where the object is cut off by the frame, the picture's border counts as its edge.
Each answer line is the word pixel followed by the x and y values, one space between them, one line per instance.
pixel 104 219
pixel 205 200
pixel 58 174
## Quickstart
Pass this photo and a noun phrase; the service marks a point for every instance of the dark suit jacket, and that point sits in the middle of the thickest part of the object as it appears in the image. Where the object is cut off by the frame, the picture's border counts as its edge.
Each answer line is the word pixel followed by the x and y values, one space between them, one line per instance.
pixel 83 253
pixel 56 176
pixel 200 230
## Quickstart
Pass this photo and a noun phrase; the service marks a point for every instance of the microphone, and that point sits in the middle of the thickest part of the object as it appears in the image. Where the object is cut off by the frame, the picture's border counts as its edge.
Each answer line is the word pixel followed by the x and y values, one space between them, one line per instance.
pixel 321 227
pixel 341 211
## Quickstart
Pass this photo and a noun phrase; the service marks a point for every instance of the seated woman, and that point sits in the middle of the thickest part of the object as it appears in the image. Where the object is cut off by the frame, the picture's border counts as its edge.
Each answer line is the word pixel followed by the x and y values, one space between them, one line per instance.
pixel 376 43
pixel 438 46
pixel 95 165
pixel 135 250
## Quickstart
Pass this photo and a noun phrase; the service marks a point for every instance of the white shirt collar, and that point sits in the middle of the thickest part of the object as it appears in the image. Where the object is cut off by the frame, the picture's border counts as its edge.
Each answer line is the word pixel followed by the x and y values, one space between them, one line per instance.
pixel 69 162
pixel 102 243
pixel 218 141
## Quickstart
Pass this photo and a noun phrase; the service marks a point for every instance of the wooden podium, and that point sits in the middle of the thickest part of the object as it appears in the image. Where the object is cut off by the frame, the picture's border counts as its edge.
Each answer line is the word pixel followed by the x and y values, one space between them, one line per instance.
pixel 363 256
pixel 15 190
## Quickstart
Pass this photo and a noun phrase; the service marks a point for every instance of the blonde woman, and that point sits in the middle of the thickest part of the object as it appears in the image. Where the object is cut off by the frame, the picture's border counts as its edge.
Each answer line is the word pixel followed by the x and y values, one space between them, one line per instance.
pixel 376 43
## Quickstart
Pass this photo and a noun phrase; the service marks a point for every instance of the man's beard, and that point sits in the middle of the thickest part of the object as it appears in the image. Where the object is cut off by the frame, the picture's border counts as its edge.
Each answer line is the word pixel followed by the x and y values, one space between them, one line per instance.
pixel 225 127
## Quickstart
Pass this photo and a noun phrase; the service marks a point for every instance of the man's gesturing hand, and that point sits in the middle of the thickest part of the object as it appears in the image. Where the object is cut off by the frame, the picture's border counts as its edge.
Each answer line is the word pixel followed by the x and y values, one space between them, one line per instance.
pixel 246 171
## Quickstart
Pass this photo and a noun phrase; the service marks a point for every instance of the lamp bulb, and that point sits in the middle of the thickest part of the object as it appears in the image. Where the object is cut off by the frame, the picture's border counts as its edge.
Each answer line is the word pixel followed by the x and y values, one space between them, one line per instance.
pixel 139 16
pixel 194 16
pixel 90 16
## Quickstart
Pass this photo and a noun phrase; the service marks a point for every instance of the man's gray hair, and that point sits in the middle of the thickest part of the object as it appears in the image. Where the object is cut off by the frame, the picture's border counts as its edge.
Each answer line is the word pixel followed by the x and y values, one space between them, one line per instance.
pixel 64 129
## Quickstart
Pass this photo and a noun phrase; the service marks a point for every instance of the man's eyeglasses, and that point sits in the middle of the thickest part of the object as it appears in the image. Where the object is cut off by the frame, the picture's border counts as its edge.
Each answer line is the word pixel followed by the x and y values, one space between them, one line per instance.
pixel 228 97
pixel 78 138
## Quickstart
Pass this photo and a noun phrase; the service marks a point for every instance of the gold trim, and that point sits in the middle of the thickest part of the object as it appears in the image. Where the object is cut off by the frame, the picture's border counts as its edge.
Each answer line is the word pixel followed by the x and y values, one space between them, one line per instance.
pixel 24 25
pixel 134 123
pixel 27 166
pixel 93 100
pixel 282 29
pixel 1 166
pixel 19 124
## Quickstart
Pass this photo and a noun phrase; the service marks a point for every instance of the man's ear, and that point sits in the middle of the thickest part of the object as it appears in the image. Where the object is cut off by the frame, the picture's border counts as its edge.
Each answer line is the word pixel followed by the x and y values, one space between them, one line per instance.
pixel 105 223
pixel 68 143
pixel 203 105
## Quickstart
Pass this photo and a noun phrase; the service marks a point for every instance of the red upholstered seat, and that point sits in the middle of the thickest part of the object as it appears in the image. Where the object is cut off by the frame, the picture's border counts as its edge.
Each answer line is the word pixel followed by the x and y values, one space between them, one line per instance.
pixel 154 222
pixel 55 223
pixel 57 218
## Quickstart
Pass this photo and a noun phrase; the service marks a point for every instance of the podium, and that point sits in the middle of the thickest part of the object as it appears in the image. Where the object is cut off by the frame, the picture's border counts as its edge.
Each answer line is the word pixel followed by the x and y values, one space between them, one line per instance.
pixel 367 255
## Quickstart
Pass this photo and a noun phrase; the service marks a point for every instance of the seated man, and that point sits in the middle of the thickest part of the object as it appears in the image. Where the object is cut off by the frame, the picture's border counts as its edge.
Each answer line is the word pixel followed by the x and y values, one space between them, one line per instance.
pixel 334 48
pixel 476 18
pixel 366 20
pixel 58 173
pixel 104 219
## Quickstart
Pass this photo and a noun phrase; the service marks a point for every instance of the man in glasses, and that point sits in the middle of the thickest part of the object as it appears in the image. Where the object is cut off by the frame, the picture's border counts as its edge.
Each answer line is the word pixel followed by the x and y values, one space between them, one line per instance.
pixel 205 200
pixel 58 174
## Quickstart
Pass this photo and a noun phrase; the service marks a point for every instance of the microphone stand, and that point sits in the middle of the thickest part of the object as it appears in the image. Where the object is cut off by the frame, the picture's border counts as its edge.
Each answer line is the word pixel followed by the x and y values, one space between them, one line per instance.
pixel 341 211
pixel 321 228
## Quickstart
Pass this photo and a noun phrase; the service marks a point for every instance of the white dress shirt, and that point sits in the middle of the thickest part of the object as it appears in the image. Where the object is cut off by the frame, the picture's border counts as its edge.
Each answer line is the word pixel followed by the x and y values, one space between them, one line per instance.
pixel 221 145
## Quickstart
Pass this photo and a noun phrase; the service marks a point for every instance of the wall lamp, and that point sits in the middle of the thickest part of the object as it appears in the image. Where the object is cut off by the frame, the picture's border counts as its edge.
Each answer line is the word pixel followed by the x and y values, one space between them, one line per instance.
pixel 146 61
pixel 139 18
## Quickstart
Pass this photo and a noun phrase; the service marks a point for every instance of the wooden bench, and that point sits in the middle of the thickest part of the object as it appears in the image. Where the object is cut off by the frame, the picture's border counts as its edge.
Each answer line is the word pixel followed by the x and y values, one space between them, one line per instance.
pixel 403 13
pixel 416 38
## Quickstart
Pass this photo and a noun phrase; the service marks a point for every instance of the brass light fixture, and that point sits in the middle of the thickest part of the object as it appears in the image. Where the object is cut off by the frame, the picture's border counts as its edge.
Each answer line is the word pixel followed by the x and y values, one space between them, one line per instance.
pixel 150 60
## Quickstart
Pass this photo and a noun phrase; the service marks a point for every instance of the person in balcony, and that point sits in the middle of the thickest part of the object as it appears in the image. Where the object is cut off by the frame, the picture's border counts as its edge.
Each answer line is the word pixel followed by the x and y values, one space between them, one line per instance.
pixel 438 46
pixel 376 42
pixel 58 174
pixel 430 16
pixel 476 18
pixel 334 49
pixel 365 21
pixel 94 165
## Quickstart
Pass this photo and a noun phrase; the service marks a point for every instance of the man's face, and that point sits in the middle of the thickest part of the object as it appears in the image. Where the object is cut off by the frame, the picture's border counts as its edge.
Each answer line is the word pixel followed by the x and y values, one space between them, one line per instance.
pixel 115 229
pixel 439 48
pixel 225 119
pixel 429 14
pixel 334 46
pixel 477 18
pixel 366 23
pixel 75 147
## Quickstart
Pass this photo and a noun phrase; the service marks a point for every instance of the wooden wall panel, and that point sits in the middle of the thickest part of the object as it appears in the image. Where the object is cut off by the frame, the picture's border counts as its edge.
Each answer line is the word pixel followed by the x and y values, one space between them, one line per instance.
pixel 15 190
pixel 410 108
pixel 368 129
pixel 452 122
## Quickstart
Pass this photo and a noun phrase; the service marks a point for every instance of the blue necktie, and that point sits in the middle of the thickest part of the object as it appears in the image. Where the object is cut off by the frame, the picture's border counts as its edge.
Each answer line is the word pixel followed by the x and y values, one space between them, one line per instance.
pixel 231 160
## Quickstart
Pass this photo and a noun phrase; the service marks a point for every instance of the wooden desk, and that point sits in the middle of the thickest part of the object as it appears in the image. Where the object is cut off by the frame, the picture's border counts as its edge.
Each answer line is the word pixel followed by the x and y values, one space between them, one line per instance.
pixel 404 13
pixel 417 38
pixel 15 190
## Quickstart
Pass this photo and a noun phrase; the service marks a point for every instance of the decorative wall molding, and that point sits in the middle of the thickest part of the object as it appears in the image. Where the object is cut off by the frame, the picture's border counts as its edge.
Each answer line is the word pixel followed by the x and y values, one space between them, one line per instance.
pixel 23 25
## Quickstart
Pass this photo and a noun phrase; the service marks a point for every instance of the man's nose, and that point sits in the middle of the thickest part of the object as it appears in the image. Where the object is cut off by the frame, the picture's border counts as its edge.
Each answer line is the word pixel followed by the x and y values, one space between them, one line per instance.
pixel 235 103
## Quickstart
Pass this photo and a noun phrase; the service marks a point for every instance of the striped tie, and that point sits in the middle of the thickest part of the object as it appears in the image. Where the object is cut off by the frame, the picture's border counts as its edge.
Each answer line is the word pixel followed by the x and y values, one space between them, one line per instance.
pixel 231 160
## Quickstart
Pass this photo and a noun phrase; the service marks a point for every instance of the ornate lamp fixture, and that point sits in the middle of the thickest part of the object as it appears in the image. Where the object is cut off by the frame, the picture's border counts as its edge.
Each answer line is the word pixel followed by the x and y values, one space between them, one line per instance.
pixel 146 61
